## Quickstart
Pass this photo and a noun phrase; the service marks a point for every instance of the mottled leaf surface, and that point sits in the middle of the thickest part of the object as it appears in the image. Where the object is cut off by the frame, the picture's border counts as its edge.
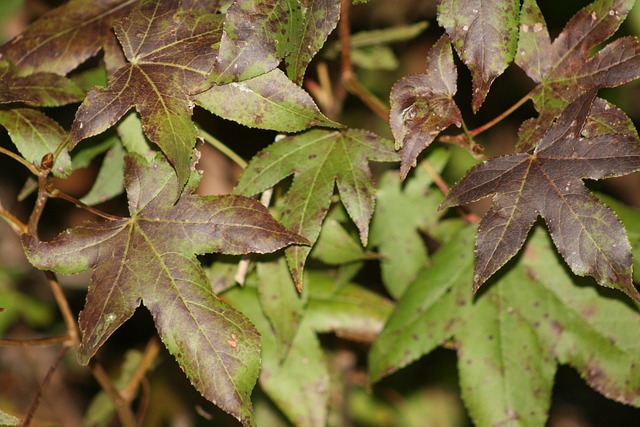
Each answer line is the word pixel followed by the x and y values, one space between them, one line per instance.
pixel 422 105
pixel 169 54
pixel 65 37
pixel 319 18
pixel 319 160
pixel 34 135
pixel 565 68
pixel 39 89
pixel 547 182
pixel 485 35
pixel 270 101
pixel 248 44
pixel 150 258
pixel 511 337
pixel 399 214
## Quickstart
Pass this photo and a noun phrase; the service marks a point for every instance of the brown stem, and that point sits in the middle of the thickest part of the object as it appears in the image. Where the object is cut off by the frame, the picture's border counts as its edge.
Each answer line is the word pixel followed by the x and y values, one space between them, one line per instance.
pixel 18 226
pixel 437 179
pixel 148 357
pixel 369 99
pixel 36 342
pixel 345 40
pixel 145 396
pixel 63 306
pixel 43 386
pixel 127 419
pixel 60 195
pixel 499 118
pixel 41 201
pixel 33 169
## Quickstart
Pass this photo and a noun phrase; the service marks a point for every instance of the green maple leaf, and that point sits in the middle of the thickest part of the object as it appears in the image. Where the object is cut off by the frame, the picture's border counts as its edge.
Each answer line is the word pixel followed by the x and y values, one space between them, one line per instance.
pixel 67 36
pixel 484 33
pixel 299 383
pixel 565 68
pixel 510 338
pixel 548 182
pixel 318 159
pixel 150 258
pixel 399 214
pixel 169 53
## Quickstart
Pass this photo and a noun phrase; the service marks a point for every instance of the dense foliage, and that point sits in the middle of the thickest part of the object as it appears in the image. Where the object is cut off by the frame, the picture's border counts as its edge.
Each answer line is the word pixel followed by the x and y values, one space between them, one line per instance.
pixel 340 257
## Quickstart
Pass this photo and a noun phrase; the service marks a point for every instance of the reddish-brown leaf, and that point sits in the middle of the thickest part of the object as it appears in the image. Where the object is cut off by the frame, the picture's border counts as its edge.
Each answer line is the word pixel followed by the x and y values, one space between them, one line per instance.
pixel 422 105
pixel 548 183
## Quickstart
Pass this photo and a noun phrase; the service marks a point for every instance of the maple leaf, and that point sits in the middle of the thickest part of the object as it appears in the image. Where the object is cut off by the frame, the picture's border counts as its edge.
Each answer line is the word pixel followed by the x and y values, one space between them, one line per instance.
pixel 510 338
pixel 422 105
pixel 317 159
pixel 169 54
pixel 484 33
pixel 65 37
pixel 565 68
pixel 39 89
pixel 150 258
pixel 548 183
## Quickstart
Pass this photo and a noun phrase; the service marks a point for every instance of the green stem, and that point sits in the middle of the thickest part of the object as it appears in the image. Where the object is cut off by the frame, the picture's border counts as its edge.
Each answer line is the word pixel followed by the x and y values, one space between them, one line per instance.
pixel 33 169
pixel 218 145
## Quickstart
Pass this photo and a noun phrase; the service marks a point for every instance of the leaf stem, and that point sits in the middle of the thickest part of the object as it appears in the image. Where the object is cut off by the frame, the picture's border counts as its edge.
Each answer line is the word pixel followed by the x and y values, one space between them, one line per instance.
pixel 32 168
pixel 127 419
pixel 218 145
pixel 36 342
pixel 55 193
pixel 499 118
pixel 148 357
pixel 18 226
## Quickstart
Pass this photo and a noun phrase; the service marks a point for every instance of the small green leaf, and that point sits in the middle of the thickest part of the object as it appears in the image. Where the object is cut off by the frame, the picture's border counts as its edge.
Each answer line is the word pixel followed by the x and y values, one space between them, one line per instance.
pixel 318 159
pixel 270 101
pixel 35 135
pixel 109 182
pixel 280 302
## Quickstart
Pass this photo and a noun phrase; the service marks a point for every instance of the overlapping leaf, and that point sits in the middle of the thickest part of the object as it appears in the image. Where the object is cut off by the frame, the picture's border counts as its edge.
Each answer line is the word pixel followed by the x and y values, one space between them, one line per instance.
pixel 484 33
pixel 565 68
pixel 67 36
pixel 507 338
pixel 150 258
pixel 299 384
pixel 400 213
pixel 422 105
pixel 169 54
pixel 39 89
pixel 269 101
pixel 548 183
pixel 318 159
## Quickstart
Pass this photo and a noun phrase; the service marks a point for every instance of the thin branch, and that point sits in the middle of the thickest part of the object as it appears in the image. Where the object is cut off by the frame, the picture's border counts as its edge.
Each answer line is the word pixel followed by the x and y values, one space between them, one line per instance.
pixel 43 386
pixel 126 416
pixel 63 306
pixel 369 99
pixel 32 168
pixel 344 29
pixel 145 397
pixel 41 201
pixel 18 226
pixel 150 353
pixel 55 193
pixel 499 118
pixel 217 144
pixel 35 342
